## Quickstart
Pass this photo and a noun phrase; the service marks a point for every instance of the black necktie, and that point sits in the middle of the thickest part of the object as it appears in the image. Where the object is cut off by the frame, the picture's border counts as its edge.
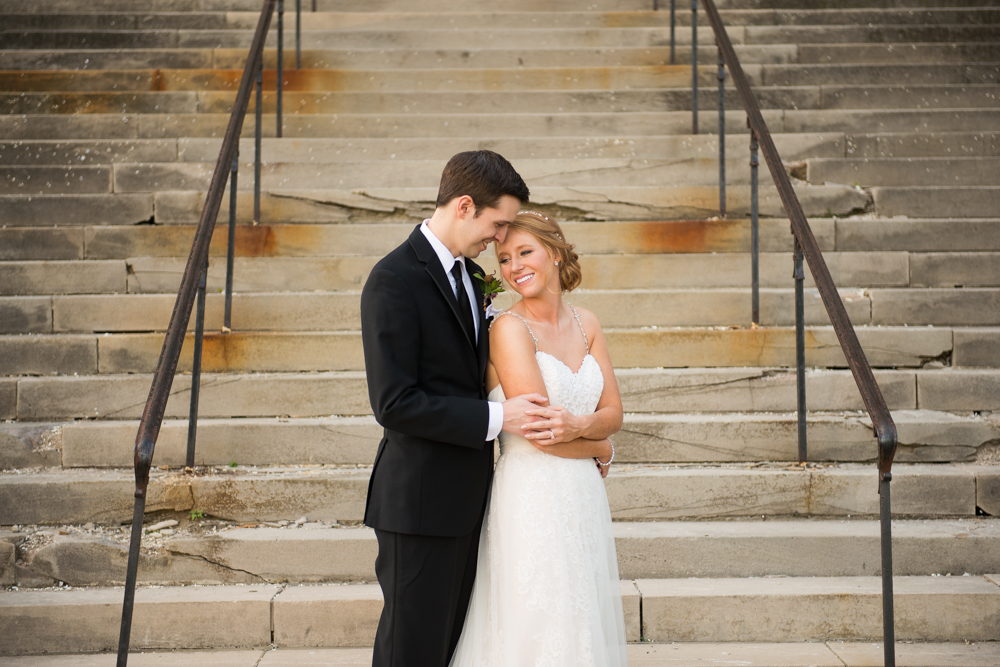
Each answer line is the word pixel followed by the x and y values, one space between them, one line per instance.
pixel 464 307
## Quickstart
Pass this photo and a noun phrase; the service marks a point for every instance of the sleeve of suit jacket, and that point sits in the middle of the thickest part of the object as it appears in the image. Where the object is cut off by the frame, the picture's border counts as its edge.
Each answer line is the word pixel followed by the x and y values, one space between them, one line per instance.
pixel 390 330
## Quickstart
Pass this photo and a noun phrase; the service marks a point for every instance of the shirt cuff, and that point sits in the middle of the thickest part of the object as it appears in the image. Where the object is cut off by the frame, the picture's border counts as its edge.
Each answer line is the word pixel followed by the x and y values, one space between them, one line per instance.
pixel 496 420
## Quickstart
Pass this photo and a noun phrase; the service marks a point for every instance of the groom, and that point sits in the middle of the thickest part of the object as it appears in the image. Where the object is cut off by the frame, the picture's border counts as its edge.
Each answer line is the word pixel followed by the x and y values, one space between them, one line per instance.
pixel 426 344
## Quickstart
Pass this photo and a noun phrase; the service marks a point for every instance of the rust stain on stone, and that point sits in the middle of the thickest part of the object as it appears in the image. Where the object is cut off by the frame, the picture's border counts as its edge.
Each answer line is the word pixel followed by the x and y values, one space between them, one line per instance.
pixel 225 352
pixel 692 236
pixel 158 85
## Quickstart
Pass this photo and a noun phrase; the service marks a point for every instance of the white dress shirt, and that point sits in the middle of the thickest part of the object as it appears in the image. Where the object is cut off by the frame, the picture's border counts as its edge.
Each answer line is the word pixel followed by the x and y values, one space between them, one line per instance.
pixel 447 262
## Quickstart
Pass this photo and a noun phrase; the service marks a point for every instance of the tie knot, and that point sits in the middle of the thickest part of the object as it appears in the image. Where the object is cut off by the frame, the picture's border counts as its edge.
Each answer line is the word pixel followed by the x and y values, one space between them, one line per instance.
pixel 456 270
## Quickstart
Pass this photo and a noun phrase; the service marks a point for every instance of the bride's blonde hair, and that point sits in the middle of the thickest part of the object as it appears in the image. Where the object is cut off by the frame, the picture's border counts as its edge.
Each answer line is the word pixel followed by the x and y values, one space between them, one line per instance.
pixel 550 235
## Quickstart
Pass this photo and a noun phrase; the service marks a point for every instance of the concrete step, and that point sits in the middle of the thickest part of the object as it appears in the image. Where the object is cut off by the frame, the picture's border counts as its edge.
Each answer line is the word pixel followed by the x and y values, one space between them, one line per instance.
pixel 377 58
pixel 913 96
pixel 306 80
pixel 906 172
pixel 84 152
pixel 831 34
pixel 924 436
pixel 864 234
pixel 61 398
pixel 210 552
pixel 812 654
pixel 879 74
pixel 637 492
pixel 480 127
pixel 126 20
pixel 798 609
pixel 653 347
pixel 56 180
pixel 937 201
pixel 340 311
pixel 916 52
pixel 936 144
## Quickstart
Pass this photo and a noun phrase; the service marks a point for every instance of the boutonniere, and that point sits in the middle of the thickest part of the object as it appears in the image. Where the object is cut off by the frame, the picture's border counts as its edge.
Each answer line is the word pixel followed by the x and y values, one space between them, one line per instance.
pixel 491 286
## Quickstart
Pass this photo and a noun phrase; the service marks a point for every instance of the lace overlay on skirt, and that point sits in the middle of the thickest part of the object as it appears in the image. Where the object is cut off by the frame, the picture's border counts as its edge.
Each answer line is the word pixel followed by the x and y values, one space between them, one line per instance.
pixel 547 591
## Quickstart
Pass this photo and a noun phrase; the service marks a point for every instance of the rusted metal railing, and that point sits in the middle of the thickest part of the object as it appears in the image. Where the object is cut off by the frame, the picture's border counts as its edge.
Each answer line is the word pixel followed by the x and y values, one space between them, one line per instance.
pixel 192 284
pixel 807 249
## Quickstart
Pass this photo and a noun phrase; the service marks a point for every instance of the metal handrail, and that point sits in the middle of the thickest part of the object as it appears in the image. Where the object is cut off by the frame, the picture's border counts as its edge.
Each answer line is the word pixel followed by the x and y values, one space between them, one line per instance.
pixel 194 273
pixel 807 248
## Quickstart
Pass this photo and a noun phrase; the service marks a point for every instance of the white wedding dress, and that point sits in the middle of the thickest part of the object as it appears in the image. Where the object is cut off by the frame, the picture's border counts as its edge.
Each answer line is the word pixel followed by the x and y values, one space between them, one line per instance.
pixel 547 591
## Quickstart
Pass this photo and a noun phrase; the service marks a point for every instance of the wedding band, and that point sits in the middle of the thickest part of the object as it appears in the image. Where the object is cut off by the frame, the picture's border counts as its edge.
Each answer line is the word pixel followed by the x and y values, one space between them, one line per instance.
pixel 551 434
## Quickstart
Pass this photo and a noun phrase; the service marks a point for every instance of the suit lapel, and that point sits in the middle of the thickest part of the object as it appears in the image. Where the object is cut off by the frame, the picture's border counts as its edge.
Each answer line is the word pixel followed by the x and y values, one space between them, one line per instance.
pixel 426 254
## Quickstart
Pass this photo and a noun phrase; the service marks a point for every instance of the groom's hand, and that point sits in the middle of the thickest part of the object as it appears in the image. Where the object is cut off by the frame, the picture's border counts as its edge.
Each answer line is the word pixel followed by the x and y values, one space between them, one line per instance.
pixel 515 409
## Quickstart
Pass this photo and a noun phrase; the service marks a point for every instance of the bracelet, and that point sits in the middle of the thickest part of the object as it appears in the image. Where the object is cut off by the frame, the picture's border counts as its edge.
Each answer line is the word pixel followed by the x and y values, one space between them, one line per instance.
pixel 609 460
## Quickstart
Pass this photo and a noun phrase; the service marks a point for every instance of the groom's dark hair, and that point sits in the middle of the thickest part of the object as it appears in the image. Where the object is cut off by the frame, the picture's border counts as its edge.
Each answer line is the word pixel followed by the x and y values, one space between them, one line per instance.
pixel 483 175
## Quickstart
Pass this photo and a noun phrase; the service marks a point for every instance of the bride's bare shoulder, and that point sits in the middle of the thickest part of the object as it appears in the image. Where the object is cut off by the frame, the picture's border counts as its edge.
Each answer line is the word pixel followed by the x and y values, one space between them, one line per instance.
pixel 510 331
pixel 589 320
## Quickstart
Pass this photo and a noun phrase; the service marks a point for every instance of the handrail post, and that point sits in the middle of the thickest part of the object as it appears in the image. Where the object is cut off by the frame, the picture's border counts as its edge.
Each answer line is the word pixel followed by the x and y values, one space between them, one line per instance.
pixel 694 66
pixel 888 616
pixel 281 60
pixel 673 32
pixel 800 348
pixel 298 34
pixel 199 334
pixel 256 145
pixel 722 134
pixel 754 233
pixel 227 325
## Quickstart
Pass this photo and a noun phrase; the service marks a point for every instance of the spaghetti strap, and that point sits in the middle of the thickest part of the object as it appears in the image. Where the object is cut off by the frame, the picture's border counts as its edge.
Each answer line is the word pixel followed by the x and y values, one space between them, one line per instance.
pixel 577 316
pixel 507 312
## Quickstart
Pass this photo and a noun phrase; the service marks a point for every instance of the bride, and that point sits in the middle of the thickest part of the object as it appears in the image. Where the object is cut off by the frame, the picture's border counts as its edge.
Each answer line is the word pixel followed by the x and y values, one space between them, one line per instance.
pixel 547 589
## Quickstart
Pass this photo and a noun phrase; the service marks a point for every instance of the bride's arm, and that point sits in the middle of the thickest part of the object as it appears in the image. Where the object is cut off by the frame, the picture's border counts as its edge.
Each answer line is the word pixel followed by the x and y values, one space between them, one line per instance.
pixel 606 419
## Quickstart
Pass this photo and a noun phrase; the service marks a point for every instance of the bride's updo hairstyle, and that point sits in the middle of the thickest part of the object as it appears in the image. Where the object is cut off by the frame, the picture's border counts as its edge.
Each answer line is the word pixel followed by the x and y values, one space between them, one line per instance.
pixel 550 235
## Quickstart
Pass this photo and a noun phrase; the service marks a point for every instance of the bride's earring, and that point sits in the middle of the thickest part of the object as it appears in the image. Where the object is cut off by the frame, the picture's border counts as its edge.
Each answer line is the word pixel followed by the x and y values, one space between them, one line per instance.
pixel 557 262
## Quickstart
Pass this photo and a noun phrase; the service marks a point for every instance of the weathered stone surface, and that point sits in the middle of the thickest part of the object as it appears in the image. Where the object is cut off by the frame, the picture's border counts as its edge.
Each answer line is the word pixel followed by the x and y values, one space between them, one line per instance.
pixel 680 348
pixel 25 243
pixel 327 615
pixel 905 171
pixel 29 314
pixel 657 492
pixel 952 269
pixel 939 307
pixel 888 94
pixel 189 658
pixel 71 497
pixel 123 397
pixel 247 441
pixel 977 347
pixel 918 235
pixel 8 554
pixel 103 562
pixel 327 495
pixel 685 654
pixel 988 489
pixel 959 390
pixel 8 398
pixel 55 180
pixel 251 274
pixel 276 554
pixel 30 445
pixel 88 619
pixel 751 390
pixel 928 144
pixel 937 201
pixel 923 436
pixel 890 120
pixel 238 352
pixel 877 74
pixel 48 355
pixel 53 126
pixel 920 654
pixel 801 548
pixel 62 277
pixel 631 610
pixel 83 152
pixel 105 209
pixel 799 609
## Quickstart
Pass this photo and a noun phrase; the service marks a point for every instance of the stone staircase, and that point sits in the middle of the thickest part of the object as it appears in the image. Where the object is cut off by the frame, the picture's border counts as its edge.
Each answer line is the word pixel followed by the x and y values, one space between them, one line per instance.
pixel 887 116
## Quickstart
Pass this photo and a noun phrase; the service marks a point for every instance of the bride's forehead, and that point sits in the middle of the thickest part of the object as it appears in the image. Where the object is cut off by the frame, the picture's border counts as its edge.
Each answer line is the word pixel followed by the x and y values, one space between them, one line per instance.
pixel 517 238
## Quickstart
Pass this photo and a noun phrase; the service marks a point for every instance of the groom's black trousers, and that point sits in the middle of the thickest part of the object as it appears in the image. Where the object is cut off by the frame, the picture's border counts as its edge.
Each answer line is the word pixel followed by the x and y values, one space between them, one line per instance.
pixel 426 582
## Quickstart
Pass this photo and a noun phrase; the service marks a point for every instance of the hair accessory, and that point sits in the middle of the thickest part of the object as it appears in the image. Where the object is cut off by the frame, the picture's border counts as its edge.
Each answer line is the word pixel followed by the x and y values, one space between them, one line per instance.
pixel 540 215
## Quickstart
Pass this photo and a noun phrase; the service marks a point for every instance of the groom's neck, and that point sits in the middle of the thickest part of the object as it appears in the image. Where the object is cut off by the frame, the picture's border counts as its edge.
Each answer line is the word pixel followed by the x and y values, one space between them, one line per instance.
pixel 445 225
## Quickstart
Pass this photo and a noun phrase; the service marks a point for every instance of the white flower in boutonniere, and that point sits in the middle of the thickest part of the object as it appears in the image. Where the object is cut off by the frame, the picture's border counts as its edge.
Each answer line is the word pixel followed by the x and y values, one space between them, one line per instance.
pixel 491 286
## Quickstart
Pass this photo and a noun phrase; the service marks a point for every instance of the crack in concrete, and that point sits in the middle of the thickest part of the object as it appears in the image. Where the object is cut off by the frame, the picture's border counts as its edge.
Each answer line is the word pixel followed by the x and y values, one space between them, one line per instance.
pixel 261 579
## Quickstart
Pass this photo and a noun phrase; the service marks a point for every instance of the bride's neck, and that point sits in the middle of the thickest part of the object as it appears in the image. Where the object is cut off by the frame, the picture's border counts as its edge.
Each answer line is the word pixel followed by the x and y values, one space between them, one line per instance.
pixel 543 308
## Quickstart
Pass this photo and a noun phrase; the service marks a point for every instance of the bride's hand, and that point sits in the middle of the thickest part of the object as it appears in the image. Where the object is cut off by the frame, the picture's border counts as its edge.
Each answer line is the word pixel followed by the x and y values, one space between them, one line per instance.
pixel 555 424
pixel 604 469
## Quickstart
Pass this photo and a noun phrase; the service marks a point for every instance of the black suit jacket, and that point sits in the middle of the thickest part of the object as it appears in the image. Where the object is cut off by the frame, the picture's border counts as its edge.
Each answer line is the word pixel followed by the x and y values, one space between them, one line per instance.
pixel 426 386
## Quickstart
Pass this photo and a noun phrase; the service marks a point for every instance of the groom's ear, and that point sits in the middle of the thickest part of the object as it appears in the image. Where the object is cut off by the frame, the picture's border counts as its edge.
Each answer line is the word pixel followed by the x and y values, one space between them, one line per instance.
pixel 464 207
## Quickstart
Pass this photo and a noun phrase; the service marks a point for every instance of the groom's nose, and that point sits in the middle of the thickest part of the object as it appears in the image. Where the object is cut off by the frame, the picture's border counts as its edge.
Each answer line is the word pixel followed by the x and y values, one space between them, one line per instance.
pixel 501 234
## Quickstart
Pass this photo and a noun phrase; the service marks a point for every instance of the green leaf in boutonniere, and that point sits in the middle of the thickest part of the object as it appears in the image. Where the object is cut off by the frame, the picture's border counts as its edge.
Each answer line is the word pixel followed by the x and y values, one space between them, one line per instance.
pixel 491 286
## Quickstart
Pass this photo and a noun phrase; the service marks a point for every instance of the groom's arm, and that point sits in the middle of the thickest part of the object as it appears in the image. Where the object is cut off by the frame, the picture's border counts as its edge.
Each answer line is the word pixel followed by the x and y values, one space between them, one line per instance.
pixel 390 333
